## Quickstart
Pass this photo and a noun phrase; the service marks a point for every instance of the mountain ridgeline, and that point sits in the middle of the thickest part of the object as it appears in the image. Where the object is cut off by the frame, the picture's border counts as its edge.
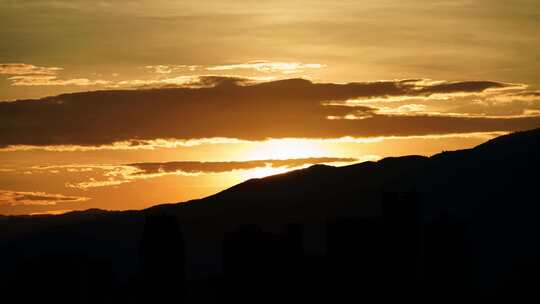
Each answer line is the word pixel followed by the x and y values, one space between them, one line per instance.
pixel 461 223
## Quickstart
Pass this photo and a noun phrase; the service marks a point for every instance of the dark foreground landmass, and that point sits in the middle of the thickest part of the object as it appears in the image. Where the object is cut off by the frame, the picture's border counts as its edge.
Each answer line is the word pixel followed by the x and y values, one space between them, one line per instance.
pixel 450 227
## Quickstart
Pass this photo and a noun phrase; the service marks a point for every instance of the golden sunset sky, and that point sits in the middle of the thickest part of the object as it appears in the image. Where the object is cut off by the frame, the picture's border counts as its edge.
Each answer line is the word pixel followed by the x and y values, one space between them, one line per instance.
pixel 128 104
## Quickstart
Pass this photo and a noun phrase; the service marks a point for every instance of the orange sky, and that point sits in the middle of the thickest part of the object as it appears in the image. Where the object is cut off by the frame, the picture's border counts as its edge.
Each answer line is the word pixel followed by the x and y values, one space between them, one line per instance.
pixel 179 100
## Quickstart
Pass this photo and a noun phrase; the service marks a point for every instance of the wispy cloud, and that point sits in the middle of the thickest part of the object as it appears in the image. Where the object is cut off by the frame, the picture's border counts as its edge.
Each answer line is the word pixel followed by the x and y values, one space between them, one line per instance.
pixel 22 74
pixel 42 80
pixel 114 175
pixel 167 69
pixel 219 167
pixel 268 66
pixel 93 183
pixel 27 69
pixel 159 143
pixel 175 143
pixel 51 212
pixel 18 198
pixel 506 102
pixel 190 81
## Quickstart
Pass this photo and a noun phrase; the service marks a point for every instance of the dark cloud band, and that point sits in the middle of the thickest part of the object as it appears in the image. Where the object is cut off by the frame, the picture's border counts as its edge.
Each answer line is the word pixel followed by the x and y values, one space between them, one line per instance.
pixel 219 167
pixel 230 108
pixel 18 198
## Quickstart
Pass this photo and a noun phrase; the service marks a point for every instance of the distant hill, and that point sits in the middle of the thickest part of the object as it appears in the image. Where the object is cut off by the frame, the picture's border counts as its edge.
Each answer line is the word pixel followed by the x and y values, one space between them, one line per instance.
pixel 491 189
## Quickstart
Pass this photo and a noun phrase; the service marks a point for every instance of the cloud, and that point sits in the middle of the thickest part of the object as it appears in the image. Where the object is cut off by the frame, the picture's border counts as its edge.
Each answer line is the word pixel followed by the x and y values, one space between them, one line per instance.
pixel 459 86
pixel 268 66
pixel 133 144
pixel 22 74
pixel 27 69
pixel 191 81
pixel 509 111
pixel 496 102
pixel 115 175
pixel 42 80
pixel 17 198
pixel 93 183
pixel 219 167
pixel 52 212
pixel 167 69
pixel 535 94
pixel 175 143
pixel 239 109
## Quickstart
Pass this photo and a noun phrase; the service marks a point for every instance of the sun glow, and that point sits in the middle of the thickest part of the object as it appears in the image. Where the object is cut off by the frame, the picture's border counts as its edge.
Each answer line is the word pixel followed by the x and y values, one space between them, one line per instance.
pixel 286 149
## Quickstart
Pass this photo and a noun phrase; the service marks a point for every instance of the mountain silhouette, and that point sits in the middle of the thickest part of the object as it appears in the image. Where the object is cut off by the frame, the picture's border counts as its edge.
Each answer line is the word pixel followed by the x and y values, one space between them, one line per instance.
pixel 457 222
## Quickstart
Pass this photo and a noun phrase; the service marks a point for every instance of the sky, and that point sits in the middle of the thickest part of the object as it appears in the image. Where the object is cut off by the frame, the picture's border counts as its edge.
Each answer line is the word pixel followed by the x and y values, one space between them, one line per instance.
pixel 127 104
